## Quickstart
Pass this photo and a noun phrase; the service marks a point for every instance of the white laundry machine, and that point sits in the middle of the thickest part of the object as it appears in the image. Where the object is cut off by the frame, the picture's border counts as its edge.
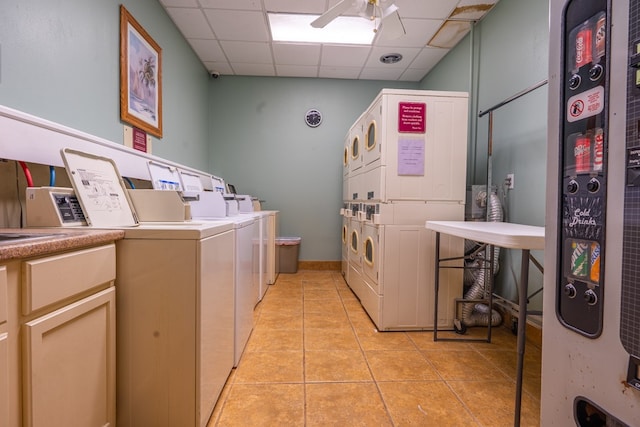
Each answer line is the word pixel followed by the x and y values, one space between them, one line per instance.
pixel 407 156
pixel 591 316
pixel 174 301
pixel 175 328
pixel 415 143
pixel 398 279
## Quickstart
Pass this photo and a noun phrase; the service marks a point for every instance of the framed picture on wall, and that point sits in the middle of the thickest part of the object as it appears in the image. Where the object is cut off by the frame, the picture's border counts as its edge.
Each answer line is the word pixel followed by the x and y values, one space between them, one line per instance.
pixel 140 76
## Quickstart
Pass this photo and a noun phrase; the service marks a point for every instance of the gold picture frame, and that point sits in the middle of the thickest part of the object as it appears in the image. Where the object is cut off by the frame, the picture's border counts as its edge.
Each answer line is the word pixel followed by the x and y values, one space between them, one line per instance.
pixel 140 76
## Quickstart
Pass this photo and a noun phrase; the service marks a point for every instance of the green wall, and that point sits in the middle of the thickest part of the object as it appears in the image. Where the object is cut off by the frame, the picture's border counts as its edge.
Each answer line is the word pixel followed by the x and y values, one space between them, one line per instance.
pixel 510 55
pixel 59 61
pixel 260 143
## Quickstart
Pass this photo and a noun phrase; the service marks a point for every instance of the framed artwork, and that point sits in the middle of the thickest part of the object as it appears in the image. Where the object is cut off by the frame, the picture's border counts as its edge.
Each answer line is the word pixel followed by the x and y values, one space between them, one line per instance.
pixel 140 77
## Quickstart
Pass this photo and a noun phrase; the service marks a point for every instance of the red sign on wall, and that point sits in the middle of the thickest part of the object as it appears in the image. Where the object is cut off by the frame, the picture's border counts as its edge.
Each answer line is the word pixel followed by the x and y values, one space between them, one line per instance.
pixel 412 117
pixel 139 140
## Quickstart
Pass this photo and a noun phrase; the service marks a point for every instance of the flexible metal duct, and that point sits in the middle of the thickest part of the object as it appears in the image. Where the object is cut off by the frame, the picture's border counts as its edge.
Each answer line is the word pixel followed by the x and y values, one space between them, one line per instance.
pixel 475 314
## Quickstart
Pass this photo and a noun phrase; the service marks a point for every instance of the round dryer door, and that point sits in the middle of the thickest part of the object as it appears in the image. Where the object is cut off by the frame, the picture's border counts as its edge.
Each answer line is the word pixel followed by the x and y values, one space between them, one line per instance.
pixel 344 234
pixel 369 251
pixel 372 136
pixel 354 241
pixel 355 148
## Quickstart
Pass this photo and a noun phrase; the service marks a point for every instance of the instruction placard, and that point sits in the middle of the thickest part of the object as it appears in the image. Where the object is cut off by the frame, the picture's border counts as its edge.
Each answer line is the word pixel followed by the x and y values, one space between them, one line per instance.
pixel 411 157
pixel 412 117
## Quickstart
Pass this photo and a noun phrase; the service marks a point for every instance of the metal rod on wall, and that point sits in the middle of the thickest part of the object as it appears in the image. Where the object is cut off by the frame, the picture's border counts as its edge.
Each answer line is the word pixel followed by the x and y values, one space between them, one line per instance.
pixel 514 97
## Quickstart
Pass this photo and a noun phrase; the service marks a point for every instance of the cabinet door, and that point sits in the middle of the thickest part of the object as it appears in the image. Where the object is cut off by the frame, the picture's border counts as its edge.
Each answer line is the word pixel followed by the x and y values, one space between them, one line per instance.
pixel 69 365
pixel 4 379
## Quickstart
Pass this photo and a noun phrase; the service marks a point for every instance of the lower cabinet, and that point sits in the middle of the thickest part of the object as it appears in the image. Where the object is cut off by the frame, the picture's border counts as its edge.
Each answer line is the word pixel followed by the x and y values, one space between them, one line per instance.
pixel 57 344
pixel 69 364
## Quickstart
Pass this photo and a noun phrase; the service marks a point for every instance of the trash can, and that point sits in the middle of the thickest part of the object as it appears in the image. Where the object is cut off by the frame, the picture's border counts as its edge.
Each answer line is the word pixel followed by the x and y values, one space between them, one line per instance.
pixel 288 251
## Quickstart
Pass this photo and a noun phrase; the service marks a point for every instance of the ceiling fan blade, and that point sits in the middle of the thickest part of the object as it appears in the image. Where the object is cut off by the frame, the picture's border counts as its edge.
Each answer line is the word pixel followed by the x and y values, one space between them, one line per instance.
pixel 332 14
pixel 391 26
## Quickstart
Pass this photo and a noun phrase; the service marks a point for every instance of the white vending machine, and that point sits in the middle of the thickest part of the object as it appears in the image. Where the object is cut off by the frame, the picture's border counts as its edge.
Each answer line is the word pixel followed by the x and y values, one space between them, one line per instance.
pixel 591 332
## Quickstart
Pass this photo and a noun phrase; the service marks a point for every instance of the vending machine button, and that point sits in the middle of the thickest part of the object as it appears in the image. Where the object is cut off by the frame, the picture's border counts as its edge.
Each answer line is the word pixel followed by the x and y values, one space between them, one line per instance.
pixel 574 82
pixel 595 72
pixel 593 185
pixel 590 297
pixel 572 187
pixel 570 290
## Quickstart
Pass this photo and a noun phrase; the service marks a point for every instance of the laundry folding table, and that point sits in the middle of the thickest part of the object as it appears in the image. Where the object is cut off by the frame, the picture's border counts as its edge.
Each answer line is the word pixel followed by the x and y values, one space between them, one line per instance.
pixel 505 235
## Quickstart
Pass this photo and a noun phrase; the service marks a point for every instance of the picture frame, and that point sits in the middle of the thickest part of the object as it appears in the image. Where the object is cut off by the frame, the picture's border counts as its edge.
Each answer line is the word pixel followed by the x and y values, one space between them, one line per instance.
pixel 140 76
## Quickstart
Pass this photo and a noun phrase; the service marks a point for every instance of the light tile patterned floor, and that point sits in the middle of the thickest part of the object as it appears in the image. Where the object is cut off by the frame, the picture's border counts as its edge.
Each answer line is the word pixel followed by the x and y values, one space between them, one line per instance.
pixel 315 359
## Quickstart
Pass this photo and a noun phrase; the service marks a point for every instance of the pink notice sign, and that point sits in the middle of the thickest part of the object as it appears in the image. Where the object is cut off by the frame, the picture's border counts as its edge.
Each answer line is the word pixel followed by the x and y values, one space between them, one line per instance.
pixel 139 140
pixel 412 117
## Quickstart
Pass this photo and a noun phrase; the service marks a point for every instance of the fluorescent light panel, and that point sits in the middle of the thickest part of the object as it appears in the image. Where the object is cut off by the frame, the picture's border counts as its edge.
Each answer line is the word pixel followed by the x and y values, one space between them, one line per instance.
pixel 286 27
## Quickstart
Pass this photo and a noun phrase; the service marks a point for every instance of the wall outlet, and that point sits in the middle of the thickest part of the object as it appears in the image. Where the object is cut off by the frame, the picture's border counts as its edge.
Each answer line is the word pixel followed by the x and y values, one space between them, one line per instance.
pixel 509 181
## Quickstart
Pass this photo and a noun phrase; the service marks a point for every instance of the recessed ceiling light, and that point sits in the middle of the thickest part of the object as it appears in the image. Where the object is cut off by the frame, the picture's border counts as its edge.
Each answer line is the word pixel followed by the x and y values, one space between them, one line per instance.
pixel 390 58
pixel 287 27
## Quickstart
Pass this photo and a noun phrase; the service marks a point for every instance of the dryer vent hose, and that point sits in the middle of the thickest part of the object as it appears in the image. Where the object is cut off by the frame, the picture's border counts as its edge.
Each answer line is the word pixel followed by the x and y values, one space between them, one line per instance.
pixel 476 314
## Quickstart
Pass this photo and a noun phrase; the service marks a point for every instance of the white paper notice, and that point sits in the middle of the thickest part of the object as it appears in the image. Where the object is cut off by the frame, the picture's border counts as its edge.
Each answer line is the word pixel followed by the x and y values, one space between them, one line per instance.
pixel 411 157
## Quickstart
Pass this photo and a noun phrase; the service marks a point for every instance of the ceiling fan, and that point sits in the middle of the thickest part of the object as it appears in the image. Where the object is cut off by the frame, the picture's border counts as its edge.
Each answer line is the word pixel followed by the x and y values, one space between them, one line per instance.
pixel 390 25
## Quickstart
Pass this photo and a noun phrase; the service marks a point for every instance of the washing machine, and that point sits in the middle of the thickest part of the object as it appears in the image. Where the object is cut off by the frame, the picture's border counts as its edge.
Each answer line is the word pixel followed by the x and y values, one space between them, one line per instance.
pixel 590 339
pixel 174 299
pixel 344 269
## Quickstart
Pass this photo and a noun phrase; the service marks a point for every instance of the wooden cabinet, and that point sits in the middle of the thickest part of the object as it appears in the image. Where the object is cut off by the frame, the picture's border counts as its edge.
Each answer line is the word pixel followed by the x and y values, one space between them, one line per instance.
pixel 57 344
pixel 4 351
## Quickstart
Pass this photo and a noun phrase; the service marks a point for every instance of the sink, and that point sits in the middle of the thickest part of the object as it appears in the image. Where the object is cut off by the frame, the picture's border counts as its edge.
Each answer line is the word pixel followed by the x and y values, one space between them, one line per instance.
pixel 20 237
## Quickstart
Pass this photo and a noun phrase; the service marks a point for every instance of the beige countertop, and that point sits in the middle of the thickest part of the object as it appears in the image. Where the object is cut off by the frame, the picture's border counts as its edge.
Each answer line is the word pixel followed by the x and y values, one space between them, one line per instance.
pixel 42 241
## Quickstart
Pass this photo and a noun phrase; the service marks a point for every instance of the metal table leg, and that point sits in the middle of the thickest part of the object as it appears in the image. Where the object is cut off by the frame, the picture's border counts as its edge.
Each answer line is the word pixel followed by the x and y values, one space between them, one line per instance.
pixel 436 286
pixel 522 327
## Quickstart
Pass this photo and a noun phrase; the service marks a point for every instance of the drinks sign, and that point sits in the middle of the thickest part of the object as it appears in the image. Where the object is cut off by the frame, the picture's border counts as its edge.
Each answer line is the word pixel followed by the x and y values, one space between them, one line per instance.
pixel 412 117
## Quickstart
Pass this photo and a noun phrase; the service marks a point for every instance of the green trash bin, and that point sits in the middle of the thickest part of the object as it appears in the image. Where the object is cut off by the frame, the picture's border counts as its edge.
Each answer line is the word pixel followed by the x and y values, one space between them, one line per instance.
pixel 288 252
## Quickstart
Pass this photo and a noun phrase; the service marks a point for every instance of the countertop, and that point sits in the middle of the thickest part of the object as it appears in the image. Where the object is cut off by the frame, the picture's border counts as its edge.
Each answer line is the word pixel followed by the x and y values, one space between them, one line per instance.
pixel 48 241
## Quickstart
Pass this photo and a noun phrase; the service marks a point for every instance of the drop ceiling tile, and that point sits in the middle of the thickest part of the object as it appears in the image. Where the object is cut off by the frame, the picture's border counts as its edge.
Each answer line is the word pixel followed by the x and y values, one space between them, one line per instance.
pixel 373 73
pixel 428 57
pixel 344 56
pixel 179 3
pixel 207 50
pixel 191 22
pixel 296 71
pixel 232 4
pixel 296 6
pixel 472 10
pixel 221 67
pixel 419 32
pixel 408 54
pixel 244 69
pixel 413 75
pixel 238 25
pixel 450 34
pixel 339 72
pixel 247 52
pixel 431 9
pixel 296 54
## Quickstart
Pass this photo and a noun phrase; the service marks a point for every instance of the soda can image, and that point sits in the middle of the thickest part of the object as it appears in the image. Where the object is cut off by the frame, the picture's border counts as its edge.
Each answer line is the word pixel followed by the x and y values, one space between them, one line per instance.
pixel 582 154
pixel 583 44
pixel 594 262
pixel 598 150
pixel 601 34
pixel 579 262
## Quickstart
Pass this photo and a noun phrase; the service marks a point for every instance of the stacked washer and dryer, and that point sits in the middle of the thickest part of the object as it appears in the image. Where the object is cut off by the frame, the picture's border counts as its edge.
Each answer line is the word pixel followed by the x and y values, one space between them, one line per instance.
pixel 404 163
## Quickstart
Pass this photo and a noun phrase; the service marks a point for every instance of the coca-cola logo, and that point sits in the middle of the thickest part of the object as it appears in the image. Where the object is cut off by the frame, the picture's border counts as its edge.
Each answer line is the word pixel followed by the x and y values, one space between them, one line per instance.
pixel 581 150
pixel 579 48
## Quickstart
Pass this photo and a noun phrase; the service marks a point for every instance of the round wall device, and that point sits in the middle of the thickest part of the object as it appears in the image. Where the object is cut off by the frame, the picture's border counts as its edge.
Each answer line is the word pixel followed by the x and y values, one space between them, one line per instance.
pixel 313 118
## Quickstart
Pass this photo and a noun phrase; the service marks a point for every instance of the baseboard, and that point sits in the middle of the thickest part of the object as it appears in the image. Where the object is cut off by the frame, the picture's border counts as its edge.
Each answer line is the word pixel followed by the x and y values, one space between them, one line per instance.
pixel 533 331
pixel 320 265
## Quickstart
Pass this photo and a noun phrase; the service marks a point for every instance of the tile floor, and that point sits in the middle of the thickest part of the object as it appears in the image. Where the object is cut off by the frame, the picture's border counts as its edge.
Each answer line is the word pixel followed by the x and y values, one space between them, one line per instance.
pixel 315 359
